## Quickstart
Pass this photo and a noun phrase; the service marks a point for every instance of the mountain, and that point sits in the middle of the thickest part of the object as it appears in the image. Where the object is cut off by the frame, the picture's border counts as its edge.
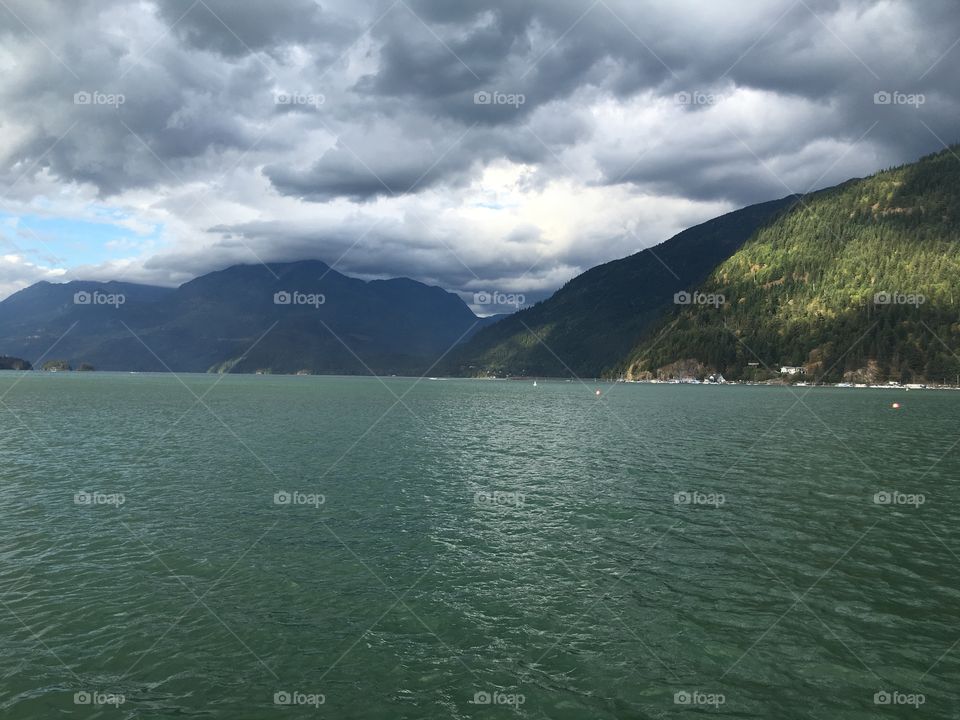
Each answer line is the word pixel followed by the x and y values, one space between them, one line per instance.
pixel 300 316
pixel 593 322
pixel 859 282
pixel 44 321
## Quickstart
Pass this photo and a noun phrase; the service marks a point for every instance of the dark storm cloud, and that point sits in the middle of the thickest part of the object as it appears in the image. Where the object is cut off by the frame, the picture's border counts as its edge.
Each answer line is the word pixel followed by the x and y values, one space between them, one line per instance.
pixel 490 47
pixel 787 49
pixel 236 27
pixel 374 161
pixel 594 89
pixel 837 77
pixel 343 172
pixel 152 113
pixel 428 59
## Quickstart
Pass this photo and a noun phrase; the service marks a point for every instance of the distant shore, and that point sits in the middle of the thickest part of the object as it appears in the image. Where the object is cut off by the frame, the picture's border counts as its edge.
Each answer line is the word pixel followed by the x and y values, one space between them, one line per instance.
pixel 512 378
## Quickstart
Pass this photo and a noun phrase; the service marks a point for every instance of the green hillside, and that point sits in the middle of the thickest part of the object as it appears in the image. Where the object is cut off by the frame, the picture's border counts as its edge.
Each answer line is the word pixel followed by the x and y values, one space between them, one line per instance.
pixel 803 291
pixel 593 321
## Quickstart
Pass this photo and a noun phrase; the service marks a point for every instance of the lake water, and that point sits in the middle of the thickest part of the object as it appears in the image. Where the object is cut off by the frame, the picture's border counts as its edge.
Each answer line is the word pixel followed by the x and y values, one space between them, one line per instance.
pixel 216 547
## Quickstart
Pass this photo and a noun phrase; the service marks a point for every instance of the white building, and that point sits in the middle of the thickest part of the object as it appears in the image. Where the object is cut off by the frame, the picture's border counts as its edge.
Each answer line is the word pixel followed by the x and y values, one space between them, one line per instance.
pixel 792 370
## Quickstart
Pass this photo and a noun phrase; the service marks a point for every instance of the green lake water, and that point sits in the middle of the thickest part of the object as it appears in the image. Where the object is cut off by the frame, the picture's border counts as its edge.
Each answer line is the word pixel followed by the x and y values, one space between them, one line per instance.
pixel 258 547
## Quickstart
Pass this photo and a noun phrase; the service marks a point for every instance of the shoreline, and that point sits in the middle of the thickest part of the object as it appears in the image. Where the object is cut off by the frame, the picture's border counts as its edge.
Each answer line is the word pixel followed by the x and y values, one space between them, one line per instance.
pixel 525 378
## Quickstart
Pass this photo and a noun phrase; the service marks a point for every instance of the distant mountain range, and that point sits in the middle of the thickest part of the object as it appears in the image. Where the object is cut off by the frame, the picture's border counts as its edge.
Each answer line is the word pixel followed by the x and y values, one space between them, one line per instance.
pixel 292 317
pixel 858 282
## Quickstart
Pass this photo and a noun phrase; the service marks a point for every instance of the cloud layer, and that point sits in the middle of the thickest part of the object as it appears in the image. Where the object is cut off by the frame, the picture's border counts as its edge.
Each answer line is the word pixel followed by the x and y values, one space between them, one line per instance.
pixel 491 145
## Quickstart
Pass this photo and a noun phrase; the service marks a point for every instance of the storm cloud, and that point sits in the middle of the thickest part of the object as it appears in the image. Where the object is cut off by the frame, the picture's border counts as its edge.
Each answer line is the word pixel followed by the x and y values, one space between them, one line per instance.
pixel 483 145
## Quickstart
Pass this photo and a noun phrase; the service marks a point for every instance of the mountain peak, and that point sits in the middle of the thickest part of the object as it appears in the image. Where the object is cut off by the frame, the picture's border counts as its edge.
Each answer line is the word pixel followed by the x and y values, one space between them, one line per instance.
pixel 288 317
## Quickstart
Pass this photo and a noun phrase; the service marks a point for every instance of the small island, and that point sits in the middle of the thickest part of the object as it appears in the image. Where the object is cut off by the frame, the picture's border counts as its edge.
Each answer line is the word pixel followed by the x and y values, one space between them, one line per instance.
pixel 56 365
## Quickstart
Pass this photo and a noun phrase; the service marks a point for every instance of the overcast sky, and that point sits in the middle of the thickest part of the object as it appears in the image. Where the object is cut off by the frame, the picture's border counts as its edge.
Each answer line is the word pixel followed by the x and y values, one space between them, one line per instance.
pixel 483 145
